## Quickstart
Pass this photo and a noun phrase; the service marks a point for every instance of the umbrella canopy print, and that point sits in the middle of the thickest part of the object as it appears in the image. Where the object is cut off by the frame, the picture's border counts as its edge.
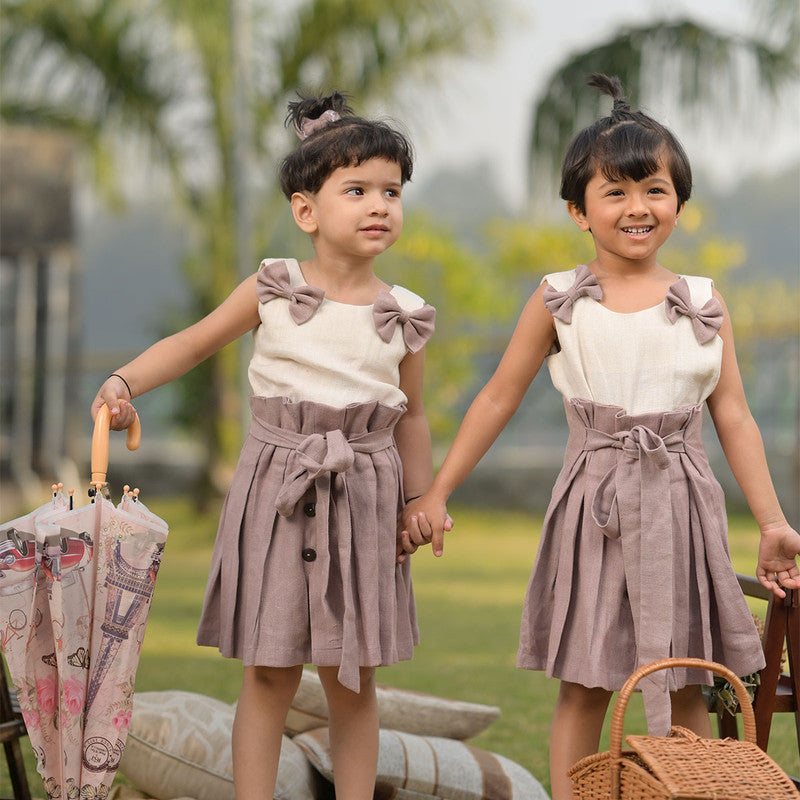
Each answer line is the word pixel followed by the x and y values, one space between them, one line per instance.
pixel 75 591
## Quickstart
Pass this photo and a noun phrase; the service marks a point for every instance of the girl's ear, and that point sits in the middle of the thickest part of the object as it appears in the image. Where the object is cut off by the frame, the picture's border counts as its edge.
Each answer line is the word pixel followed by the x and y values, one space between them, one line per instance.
pixel 303 212
pixel 578 216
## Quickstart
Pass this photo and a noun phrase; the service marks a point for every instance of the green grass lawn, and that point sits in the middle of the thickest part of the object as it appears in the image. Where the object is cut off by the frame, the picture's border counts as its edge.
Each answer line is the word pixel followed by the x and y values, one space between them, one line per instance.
pixel 469 605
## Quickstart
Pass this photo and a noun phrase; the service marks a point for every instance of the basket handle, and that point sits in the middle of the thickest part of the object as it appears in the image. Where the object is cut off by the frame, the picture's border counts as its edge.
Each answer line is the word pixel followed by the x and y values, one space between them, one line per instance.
pixel 618 715
pixel 102 427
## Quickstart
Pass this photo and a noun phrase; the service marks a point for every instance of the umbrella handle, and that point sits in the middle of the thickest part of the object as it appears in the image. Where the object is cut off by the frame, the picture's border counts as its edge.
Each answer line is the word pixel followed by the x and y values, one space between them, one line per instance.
pixel 102 427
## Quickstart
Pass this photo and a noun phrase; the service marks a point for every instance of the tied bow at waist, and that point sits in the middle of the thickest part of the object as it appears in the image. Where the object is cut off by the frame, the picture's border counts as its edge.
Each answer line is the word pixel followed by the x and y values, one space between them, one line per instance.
pixel 632 502
pixel 322 461
pixel 650 452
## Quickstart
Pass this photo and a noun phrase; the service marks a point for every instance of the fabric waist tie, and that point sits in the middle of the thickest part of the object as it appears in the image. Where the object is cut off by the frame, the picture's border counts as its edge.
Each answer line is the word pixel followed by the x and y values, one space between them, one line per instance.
pixel 637 488
pixel 322 460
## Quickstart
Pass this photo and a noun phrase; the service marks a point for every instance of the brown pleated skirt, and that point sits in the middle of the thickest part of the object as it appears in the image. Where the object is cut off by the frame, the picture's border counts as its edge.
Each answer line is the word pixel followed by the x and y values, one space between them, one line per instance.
pixel 633 562
pixel 304 568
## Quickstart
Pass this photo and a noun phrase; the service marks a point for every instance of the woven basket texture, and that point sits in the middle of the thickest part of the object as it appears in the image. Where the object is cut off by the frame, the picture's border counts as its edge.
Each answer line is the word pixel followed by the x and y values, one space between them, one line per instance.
pixel 683 765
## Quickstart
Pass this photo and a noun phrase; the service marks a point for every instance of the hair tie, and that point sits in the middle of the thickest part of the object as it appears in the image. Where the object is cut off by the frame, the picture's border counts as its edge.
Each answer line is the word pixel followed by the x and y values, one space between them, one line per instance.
pixel 308 126
pixel 620 104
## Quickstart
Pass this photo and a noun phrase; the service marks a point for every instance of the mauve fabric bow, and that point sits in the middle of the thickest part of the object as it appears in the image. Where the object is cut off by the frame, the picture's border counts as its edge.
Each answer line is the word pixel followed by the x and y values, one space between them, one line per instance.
pixel 273 281
pixel 706 321
pixel 417 325
pixel 559 304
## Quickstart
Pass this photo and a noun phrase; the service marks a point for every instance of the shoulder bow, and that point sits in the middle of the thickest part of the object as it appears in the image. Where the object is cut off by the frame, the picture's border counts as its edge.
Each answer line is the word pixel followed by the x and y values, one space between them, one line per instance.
pixel 559 304
pixel 706 321
pixel 273 281
pixel 417 325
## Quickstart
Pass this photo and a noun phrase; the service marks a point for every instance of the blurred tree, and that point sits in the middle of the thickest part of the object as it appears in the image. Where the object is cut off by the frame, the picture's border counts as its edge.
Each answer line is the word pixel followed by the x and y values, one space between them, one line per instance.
pixel 162 72
pixel 701 67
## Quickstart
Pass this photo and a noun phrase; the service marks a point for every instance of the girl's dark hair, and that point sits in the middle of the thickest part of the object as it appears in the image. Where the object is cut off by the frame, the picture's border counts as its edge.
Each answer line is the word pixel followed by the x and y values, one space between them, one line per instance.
pixel 625 144
pixel 343 142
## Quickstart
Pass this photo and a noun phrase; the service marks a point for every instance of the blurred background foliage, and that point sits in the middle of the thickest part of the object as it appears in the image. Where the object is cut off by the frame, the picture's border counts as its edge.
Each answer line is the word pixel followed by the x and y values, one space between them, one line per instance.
pixel 192 94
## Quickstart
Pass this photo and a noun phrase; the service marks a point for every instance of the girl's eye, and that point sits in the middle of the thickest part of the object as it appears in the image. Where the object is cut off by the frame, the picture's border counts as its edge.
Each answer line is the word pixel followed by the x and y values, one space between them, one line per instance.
pixel 392 193
pixel 355 190
pixel 615 193
pixel 657 190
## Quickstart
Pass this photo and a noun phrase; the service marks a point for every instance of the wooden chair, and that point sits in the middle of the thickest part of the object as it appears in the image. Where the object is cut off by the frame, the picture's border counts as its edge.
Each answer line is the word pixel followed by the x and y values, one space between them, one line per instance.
pixel 778 692
pixel 12 727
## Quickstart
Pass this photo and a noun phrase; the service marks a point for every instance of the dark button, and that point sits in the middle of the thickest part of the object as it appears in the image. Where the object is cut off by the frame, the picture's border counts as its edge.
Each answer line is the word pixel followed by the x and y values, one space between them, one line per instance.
pixel 309 554
pixel 310 509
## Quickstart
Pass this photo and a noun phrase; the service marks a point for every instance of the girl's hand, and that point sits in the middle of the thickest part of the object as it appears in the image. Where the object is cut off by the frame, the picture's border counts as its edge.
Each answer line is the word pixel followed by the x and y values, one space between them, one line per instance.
pixel 777 554
pixel 424 521
pixel 114 394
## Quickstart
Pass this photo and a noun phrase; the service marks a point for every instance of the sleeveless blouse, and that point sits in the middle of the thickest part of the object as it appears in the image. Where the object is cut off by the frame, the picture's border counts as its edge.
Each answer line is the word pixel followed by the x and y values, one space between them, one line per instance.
pixel 645 361
pixel 317 349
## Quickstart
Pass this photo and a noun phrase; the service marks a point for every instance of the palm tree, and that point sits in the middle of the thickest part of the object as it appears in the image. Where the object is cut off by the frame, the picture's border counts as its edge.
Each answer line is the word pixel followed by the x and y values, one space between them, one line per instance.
pixel 700 67
pixel 162 72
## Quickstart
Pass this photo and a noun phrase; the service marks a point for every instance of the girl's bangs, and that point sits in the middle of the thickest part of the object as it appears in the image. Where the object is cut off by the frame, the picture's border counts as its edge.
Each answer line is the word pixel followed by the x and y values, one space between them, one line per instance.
pixel 629 152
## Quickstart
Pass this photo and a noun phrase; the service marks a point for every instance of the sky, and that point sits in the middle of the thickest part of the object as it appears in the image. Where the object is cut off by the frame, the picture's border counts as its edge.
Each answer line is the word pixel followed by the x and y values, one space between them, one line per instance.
pixel 479 109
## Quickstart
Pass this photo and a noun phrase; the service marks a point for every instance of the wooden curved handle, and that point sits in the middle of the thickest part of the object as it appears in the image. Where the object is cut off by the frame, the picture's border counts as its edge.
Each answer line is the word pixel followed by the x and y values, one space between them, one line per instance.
pixel 102 427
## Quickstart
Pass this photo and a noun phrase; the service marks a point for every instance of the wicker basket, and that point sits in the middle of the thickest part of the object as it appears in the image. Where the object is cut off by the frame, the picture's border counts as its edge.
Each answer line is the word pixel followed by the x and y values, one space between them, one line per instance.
pixel 681 766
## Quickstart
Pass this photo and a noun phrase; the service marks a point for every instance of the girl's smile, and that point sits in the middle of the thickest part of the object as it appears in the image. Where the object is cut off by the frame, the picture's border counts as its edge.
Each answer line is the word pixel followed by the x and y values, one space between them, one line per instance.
pixel 634 232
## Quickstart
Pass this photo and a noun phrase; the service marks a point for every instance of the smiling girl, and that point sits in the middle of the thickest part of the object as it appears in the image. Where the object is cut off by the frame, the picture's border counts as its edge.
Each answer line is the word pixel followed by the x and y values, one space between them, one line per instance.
pixel 633 563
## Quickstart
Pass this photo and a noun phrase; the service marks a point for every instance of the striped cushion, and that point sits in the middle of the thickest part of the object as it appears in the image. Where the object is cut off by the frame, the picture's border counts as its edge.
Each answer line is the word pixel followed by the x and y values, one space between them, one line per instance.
pixel 412 767
pixel 399 709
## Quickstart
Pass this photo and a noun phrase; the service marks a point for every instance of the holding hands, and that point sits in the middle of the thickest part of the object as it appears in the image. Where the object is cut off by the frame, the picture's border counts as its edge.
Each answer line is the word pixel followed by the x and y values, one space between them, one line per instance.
pixel 423 521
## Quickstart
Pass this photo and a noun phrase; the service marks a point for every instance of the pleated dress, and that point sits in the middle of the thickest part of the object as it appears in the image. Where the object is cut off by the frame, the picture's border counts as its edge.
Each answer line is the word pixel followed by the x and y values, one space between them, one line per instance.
pixel 303 568
pixel 633 562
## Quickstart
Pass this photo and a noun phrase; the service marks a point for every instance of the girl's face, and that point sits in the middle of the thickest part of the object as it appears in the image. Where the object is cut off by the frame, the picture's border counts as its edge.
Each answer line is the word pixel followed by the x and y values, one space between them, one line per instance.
pixel 629 220
pixel 357 213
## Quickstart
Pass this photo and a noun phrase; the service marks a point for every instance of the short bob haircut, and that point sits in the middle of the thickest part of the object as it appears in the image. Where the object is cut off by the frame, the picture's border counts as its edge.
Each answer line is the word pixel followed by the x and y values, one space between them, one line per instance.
pixel 345 142
pixel 624 145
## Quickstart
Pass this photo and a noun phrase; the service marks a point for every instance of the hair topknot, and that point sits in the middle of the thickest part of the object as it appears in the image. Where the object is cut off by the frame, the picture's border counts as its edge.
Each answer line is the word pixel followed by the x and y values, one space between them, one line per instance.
pixel 624 144
pixel 307 107
pixel 333 136
pixel 611 85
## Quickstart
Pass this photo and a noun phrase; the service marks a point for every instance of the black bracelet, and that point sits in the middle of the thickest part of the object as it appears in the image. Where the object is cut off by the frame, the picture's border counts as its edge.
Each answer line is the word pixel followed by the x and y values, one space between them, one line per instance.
pixel 117 375
pixel 409 499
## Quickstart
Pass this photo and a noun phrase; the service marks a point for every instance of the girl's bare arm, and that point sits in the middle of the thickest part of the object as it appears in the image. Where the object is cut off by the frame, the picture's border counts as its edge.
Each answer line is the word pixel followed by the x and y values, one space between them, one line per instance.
pixel 175 355
pixel 744 449
pixel 412 433
pixel 486 417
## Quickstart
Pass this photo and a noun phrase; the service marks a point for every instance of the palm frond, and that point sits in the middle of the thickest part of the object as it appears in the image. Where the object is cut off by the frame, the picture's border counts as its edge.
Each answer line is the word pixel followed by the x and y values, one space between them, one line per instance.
pixel 696 67
pixel 368 46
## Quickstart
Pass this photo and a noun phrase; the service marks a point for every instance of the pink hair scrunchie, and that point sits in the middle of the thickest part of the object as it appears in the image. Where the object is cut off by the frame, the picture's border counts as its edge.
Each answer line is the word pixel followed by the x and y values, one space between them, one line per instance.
pixel 308 126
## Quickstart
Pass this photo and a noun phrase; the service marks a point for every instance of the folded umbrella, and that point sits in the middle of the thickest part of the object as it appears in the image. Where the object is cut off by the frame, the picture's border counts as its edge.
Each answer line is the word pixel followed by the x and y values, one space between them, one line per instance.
pixel 95 569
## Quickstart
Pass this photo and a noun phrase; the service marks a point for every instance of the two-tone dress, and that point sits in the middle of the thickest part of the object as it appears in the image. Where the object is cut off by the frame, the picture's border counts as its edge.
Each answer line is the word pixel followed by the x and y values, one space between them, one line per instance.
pixel 633 563
pixel 304 568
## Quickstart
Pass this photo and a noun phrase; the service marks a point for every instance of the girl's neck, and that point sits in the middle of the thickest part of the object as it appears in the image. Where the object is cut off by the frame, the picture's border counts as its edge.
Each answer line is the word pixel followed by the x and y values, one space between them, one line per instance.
pixel 345 282
pixel 631 289
pixel 608 266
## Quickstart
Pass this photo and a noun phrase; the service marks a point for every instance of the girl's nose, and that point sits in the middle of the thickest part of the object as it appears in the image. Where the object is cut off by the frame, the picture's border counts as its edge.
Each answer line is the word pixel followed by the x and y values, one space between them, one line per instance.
pixel 636 206
pixel 380 206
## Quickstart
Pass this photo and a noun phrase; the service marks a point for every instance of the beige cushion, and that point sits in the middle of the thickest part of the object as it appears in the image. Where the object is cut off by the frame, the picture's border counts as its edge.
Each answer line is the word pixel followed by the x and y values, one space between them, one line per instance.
pixel 179 745
pixel 414 767
pixel 399 709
